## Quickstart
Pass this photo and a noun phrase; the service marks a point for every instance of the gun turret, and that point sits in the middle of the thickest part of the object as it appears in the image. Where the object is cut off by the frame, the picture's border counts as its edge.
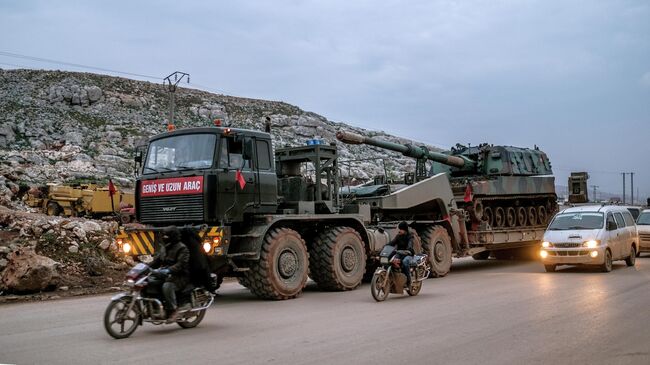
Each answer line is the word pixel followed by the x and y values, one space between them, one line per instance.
pixel 408 150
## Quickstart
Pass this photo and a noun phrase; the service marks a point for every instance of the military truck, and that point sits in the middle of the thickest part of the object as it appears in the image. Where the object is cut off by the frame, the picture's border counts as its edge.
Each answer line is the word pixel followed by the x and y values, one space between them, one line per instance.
pixel 506 195
pixel 577 185
pixel 90 200
pixel 271 219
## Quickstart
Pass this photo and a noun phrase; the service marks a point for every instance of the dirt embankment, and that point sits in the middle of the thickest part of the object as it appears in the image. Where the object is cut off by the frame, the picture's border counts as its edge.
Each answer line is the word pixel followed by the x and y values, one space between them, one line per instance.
pixel 45 257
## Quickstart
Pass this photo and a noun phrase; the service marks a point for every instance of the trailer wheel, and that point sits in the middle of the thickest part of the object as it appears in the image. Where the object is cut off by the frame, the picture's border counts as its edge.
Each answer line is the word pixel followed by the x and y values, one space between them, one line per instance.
pixel 337 260
pixel 53 208
pixel 281 271
pixel 437 244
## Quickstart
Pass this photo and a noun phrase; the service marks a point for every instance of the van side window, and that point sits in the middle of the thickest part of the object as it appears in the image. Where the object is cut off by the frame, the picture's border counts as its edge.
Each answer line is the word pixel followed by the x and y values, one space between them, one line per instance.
pixel 610 218
pixel 629 221
pixel 263 155
pixel 619 220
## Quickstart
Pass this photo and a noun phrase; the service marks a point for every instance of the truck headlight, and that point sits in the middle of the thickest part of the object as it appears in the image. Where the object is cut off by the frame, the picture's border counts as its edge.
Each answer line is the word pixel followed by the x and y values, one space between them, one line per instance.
pixel 207 247
pixel 591 244
pixel 126 247
pixel 547 244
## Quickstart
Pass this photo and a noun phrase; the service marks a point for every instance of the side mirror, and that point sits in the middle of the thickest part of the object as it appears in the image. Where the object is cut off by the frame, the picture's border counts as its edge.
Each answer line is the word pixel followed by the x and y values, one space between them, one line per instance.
pixel 611 226
pixel 138 157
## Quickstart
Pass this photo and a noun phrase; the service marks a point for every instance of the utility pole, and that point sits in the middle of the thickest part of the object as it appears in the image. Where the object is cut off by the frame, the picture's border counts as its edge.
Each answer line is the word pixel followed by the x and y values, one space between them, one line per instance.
pixel 171 87
pixel 623 173
pixel 595 187
pixel 632 187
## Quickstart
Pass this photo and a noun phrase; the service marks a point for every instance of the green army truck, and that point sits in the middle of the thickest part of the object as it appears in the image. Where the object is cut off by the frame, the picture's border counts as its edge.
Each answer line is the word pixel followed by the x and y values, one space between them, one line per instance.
pixel 273 219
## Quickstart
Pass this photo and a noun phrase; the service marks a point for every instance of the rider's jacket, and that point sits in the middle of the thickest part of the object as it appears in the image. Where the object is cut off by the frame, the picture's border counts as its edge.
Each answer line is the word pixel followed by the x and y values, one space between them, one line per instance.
pixel 403 242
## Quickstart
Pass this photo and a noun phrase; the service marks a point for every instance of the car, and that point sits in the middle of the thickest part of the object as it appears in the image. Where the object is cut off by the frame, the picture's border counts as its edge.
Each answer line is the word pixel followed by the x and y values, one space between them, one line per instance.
pixel 643 227
pixel 590 235
pixel 635 211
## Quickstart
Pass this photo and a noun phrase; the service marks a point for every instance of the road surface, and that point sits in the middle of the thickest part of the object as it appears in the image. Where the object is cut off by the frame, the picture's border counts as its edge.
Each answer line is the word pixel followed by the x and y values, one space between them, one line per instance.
pixel 494 312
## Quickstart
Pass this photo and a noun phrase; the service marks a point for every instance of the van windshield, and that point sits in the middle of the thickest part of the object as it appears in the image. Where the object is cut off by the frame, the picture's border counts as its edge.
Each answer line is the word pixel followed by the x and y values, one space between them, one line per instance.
pixel 644 219
pixel 578 220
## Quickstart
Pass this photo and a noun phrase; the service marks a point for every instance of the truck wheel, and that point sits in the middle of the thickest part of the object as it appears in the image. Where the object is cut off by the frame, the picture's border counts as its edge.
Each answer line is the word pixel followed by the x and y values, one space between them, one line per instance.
pixel 281 271
pixel 483 255
pixel 53 208
pixel 243 281
pixel 337 260
pixel 437 244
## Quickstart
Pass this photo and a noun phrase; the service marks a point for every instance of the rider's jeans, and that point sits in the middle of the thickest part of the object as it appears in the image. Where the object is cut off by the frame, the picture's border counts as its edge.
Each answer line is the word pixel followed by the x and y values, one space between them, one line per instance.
pixel 406 267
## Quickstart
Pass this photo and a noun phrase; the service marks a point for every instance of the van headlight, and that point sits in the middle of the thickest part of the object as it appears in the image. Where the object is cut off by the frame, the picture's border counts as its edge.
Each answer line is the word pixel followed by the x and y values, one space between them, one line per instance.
pixel 591 244
pixel 547 244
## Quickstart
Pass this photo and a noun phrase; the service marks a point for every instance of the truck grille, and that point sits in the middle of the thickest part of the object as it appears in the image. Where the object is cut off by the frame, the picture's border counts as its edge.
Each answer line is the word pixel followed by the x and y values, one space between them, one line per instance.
pixel 179 208
pixel 644 237
pixel 568 244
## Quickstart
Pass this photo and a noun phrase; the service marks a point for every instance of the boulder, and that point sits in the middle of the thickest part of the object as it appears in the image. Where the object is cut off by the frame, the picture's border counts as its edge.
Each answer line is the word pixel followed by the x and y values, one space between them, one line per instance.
pixel 90 226
pixel 105 244
pixel 28 271
pixel 94 93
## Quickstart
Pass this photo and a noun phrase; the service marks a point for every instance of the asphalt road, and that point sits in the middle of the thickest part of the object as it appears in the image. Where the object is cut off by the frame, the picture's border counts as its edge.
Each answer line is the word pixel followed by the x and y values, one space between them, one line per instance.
pixel 494 312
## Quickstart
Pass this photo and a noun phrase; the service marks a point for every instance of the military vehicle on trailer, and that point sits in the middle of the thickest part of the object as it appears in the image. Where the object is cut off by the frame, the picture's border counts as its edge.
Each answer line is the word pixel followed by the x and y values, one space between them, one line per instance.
pixel 272 219
pixel 506 194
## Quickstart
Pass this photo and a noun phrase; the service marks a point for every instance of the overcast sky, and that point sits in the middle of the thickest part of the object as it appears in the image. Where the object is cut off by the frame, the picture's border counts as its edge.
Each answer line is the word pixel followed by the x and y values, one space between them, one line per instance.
pixel 572 77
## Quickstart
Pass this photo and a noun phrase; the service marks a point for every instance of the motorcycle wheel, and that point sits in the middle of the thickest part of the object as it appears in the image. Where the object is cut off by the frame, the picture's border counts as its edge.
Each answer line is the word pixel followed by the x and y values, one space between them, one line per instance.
pixel 414 289
pixel 378 289
pixel 116 314
pixel 194 321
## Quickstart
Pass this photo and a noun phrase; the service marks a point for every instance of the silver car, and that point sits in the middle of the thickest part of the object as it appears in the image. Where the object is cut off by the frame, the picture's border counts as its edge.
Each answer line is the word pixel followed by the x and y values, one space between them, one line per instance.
pixel 590 235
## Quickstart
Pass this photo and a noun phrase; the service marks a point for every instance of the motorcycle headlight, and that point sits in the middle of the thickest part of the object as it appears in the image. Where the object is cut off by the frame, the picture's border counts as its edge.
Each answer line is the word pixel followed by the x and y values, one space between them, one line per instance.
pixel 129 283
pixel 591 244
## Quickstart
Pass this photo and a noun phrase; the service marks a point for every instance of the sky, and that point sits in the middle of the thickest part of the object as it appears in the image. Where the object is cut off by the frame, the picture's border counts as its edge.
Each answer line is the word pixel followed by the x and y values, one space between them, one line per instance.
pixel 572 77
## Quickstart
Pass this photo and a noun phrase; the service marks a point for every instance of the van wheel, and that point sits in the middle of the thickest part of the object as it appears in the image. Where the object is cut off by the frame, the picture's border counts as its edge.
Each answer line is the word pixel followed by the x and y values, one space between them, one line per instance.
pixel 607 265
pixel 631 260
pixel 549 268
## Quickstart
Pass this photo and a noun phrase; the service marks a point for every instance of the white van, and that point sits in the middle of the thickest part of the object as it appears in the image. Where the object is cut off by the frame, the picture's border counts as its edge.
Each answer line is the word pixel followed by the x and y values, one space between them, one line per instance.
pixel 590 235
pixel 643 226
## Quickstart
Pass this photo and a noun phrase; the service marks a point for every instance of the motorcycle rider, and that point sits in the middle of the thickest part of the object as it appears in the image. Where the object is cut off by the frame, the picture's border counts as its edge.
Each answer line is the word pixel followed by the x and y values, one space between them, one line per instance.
pixel 403 242
pixel 172 264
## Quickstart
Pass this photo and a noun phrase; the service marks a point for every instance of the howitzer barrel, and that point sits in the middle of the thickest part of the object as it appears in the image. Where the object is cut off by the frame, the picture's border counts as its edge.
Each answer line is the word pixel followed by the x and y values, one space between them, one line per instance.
pixel 407 150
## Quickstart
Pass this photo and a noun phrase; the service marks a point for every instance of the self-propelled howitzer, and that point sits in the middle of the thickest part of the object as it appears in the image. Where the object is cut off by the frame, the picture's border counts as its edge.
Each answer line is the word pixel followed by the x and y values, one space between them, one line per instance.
pixel 503 186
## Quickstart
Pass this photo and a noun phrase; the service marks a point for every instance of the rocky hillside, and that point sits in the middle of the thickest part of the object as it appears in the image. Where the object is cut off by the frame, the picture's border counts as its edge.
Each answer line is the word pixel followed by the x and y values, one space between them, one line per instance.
pixel 66 126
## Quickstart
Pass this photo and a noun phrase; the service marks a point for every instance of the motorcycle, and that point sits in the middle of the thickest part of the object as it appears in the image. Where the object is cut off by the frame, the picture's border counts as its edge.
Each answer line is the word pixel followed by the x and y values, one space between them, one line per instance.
pixel 143 303
pixel 389 277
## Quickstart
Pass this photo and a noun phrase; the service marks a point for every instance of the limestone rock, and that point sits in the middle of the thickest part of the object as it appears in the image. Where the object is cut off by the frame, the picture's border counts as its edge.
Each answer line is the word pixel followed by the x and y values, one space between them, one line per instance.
pixel 28 271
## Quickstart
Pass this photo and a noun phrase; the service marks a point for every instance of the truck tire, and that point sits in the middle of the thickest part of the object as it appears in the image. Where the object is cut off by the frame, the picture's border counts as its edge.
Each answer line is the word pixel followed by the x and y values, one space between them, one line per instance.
pixel 53 208
pixel 281 271
pixel 483 255
pixel 243 281
pixel 337 261
pixel 437 244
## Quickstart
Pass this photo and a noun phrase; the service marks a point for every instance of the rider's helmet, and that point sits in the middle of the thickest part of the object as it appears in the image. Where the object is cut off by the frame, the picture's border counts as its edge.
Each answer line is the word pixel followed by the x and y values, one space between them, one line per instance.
pixel 171 235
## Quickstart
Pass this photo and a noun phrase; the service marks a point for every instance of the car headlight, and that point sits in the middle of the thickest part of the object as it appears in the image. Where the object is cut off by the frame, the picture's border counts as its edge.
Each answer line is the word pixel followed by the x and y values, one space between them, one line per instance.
pixel 547 244
pixel 591 244
pixel 543 254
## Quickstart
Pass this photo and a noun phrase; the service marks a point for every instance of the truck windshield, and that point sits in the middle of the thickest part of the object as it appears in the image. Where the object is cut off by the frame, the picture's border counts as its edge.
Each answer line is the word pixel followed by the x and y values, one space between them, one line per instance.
pixel 578 220
pixel 644 219
pixel 190 151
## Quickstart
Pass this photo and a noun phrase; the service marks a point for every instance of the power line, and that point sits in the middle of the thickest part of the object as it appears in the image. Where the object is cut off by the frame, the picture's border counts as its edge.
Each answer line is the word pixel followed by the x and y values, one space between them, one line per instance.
pixel 96 68
pixel 78 65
